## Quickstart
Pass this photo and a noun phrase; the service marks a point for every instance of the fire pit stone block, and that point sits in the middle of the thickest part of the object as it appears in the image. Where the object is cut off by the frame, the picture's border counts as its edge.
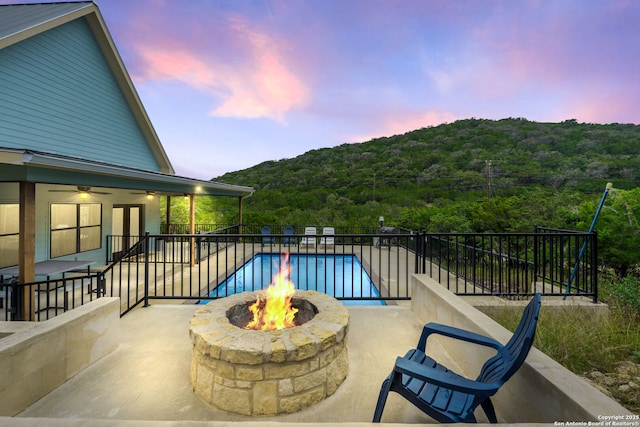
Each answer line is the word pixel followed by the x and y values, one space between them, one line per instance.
pixel 268 372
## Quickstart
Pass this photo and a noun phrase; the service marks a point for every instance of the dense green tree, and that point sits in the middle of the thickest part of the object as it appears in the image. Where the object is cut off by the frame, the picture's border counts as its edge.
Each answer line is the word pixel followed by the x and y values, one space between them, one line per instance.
pixel 438 179
pixel 618 228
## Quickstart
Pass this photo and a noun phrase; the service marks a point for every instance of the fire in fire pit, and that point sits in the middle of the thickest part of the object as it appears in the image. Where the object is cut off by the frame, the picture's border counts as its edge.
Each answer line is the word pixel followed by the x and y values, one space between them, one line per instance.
pixel 269 371
pixel 242 315
pixel 275 311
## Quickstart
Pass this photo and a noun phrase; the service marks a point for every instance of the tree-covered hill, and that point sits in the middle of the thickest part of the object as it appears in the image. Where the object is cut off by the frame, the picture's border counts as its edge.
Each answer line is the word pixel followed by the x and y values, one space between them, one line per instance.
pixel 468 160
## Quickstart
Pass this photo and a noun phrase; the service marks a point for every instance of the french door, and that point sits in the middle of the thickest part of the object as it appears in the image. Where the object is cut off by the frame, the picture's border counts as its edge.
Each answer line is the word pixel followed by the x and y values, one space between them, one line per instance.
pixel 128 223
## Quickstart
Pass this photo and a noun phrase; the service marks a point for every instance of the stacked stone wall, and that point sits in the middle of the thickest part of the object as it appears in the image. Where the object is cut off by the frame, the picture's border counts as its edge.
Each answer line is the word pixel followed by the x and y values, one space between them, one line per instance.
pixel 266 373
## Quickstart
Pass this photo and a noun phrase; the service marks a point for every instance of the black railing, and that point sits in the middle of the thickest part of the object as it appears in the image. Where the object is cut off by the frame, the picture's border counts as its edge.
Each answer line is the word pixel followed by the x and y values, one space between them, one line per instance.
pixel 299 229
pixel 568 259
pixel 367 267
pixel 209 266
pixel 46 299
pixel 198 228
pixel 514 264
pixel 117 245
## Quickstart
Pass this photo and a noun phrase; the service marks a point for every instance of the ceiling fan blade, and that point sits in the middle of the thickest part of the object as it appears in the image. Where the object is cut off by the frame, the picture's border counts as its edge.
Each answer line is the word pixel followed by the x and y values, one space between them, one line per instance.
pixel 76 191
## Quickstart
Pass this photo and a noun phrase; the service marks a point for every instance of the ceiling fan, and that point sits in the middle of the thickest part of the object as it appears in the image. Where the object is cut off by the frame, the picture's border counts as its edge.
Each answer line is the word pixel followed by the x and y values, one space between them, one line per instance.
pixel 83 191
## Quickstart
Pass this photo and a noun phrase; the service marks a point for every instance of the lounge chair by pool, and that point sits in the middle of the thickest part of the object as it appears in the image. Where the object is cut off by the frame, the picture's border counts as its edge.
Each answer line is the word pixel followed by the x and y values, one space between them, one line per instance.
pixel 266 231
pixel 289 239
pixel 327 238
pixel 309 238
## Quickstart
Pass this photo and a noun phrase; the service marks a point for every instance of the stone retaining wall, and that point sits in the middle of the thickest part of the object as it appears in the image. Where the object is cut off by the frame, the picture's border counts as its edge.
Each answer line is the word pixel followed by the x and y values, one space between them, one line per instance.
pixel 38 357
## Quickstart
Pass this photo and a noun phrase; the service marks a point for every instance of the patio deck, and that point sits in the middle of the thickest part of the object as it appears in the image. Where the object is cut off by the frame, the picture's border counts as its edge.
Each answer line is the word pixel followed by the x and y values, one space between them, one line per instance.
pixel 147 377
pixel 145 380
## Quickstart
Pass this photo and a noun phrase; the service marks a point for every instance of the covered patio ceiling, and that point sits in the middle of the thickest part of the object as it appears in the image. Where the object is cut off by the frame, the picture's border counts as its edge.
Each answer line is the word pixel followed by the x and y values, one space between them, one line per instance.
pixel 30 167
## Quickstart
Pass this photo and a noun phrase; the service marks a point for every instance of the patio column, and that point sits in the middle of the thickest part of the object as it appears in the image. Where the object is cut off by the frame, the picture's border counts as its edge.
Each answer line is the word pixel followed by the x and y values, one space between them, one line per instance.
pixel 27 247
pixel 240 215
pixel 168 215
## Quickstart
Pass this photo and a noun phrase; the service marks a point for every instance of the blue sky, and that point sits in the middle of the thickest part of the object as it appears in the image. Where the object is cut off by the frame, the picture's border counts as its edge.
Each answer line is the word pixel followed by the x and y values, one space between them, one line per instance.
pixel 230 84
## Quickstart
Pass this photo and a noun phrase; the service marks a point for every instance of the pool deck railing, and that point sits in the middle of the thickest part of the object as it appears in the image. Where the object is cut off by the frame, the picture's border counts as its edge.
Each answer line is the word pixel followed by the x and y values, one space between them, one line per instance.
pixel 190 267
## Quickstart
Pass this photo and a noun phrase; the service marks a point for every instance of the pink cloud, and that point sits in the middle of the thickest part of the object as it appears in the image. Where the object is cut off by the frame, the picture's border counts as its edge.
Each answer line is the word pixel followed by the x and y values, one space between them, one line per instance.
pixel 255 81
pixel 405 122
pixel 604 104
pixel 559 43
pixel 172 64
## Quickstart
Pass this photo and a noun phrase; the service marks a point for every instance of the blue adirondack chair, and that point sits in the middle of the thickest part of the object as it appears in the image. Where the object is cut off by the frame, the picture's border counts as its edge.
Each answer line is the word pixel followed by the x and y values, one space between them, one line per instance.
pixel 267 237
pixel 446 396
pixel 288 239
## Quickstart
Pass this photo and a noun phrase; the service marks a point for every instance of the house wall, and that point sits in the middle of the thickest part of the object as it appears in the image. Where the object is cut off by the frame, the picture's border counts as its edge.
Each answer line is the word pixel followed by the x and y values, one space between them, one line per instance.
pixel 58 95
pixel 9 193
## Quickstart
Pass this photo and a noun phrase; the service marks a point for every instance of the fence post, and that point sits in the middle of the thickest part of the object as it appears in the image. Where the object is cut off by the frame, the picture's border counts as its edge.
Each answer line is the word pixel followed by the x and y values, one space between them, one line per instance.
pixel 146 269
pixel 16 301
pixel 101 283
pixel 536 243
pixel 419 255
pixel 106 247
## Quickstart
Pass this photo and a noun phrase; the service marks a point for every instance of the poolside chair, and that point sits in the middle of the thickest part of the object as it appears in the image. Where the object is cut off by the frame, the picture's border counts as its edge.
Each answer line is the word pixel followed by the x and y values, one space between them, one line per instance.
pixel 266 231
pixel 309 238
pixel 288 239
pixel 327 238
pixel 446 396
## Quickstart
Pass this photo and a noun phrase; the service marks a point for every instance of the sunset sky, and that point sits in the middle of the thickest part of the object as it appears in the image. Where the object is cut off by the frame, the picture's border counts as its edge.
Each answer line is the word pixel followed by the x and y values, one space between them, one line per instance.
pixel 229 84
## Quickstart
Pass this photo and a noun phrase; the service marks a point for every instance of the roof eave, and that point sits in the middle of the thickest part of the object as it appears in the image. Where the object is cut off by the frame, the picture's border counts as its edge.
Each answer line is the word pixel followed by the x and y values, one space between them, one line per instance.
pixel 24 34
pixel 154 180
pixel 110 51
pixel 100 31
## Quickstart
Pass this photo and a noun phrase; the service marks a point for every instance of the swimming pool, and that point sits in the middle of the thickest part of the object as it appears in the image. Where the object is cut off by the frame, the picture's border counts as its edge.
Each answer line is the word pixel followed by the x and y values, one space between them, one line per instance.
pixel 341 276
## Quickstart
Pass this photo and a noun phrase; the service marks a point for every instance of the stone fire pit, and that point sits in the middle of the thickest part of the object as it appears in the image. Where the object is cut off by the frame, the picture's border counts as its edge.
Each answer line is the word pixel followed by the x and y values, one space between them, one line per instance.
pixel 268 372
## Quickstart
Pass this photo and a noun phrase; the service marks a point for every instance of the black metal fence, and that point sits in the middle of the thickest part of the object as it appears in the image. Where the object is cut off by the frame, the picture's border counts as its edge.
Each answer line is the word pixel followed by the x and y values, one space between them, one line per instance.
pixel 568 259
pixel 370 268
pixel 354 268
pixel 257 229
pixel 48 298
pixel 198 228
pixel 552 262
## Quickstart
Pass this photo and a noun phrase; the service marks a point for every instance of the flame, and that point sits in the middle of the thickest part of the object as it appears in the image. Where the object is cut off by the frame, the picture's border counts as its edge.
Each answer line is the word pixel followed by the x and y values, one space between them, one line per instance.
pixel 275 311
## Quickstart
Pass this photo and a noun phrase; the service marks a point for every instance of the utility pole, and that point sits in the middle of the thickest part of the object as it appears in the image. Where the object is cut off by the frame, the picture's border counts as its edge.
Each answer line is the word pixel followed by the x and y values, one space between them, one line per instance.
pixel 488 178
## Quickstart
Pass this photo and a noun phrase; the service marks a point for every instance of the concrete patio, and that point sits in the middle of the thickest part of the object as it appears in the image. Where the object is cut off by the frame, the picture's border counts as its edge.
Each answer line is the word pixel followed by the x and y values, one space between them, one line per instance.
pixel 145 380
pixel 147 377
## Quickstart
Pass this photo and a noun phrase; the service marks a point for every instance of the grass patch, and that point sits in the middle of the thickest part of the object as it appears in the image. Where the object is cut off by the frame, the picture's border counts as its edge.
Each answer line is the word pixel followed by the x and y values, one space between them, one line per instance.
pixel 580 340
pixel 586 343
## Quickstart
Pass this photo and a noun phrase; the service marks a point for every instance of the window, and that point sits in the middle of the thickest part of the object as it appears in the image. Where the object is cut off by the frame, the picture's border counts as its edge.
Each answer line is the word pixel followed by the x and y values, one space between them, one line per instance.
pixel 9 232
pixel 75 228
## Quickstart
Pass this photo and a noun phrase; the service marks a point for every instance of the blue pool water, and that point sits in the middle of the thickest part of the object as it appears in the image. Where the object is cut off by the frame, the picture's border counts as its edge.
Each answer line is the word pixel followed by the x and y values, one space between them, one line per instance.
pixel 340 276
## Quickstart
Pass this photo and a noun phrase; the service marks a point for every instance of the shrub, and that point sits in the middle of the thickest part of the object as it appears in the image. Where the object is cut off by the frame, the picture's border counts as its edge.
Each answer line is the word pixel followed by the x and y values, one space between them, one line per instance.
pixel 622 293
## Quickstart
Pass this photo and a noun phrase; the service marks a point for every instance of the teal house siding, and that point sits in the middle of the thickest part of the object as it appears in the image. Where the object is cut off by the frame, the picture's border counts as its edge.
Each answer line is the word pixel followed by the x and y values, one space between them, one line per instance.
pixel 58 95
